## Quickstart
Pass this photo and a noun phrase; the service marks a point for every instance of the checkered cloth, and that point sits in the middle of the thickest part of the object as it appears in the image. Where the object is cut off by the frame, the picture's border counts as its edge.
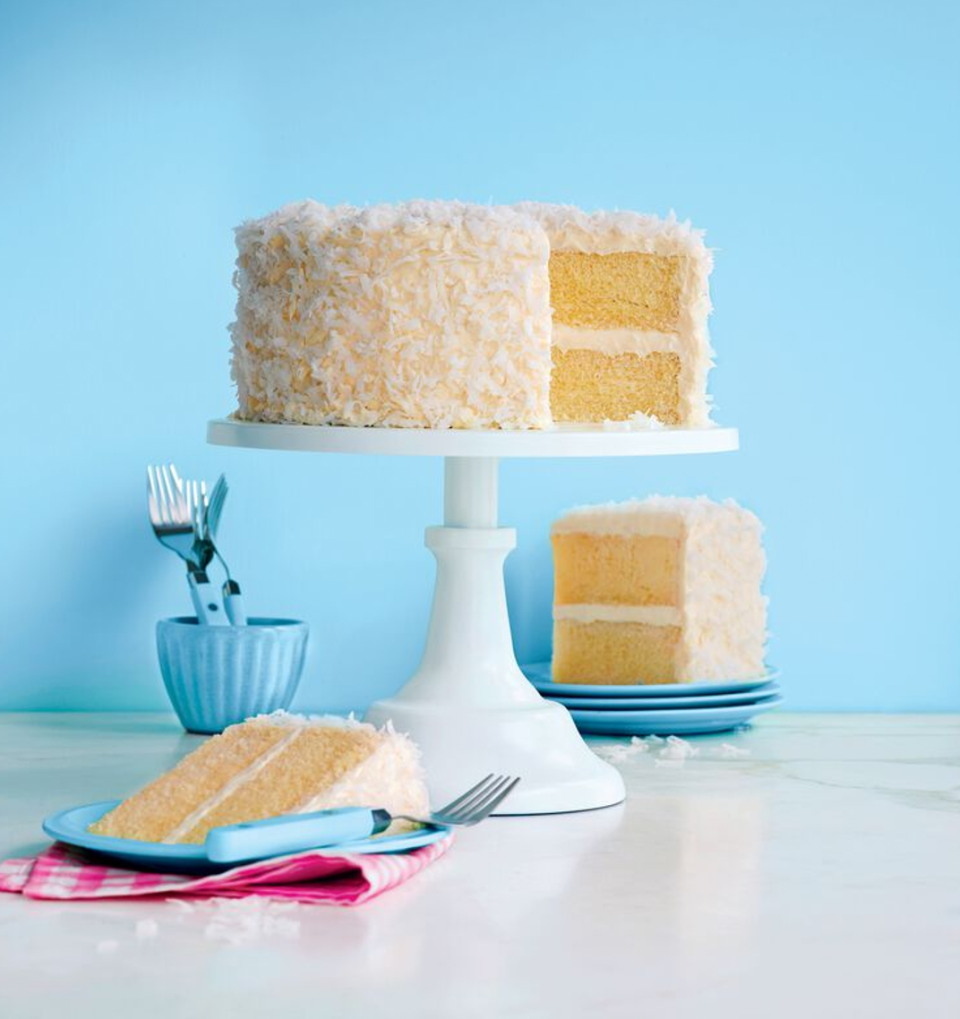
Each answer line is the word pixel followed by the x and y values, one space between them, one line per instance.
pixel 348 879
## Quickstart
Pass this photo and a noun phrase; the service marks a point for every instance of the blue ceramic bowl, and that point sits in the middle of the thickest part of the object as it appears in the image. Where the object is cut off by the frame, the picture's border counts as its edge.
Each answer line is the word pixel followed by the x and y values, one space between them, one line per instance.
pixel 218 675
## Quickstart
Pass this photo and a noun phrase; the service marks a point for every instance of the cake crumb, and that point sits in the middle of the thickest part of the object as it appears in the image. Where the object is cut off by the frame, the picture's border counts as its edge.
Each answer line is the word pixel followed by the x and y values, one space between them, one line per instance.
pixel 246 920
pixel 727 751
pixel 667 752
pixel 181 904
pixel 615 753
pixel 146 929
pixel 678 749
pixel 637 422
pixel 674 752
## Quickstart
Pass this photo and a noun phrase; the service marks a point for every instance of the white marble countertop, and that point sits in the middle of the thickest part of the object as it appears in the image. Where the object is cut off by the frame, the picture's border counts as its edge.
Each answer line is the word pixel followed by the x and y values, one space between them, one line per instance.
pixel 817 876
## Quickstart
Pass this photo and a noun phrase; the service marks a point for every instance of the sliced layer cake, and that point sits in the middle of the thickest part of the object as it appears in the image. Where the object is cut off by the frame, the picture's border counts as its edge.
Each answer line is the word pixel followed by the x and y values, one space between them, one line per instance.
pixel 450 315
pixel 272 765
pixel 663 590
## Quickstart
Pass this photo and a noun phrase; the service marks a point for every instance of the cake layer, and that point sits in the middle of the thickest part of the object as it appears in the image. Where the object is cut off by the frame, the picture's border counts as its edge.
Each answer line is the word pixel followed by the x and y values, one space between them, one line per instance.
pixel 614 569
pixel 624 288
pixel 160 807
pixel 310 759
pixel 587 385
pixel 614 653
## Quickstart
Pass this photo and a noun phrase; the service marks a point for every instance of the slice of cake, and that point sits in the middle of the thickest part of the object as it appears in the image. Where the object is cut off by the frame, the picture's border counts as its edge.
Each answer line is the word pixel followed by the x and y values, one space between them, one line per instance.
pixel 271 765
pixel 663 590
pixel 630 303
pixel 438 315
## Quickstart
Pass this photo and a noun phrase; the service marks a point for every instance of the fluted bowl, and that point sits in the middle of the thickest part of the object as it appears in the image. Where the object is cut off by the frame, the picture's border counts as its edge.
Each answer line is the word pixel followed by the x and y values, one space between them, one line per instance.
pixel 218 675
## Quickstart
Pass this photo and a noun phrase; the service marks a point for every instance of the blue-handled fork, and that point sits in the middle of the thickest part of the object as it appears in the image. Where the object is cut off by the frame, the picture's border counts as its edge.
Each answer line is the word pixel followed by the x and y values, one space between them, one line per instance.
pixel 294 833
pixel 206 519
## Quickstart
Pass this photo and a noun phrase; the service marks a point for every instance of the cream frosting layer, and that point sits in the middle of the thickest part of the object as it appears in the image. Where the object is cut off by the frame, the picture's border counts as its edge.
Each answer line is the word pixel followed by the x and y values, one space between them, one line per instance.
pixel 615 341
pixel 722 565
pixel 651 615
pixel 229 788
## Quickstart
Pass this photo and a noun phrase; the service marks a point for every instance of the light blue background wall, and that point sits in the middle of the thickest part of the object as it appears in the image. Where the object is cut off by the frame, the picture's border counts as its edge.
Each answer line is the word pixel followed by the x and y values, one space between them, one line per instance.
pixel 816 142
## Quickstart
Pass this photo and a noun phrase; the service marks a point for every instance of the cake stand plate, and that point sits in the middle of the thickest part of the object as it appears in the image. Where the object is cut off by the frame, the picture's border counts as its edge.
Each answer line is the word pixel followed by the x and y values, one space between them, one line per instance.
pixel 468 706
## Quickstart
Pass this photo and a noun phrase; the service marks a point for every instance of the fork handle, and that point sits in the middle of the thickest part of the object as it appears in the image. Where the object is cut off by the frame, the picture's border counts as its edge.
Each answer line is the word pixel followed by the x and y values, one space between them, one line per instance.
pixel 204 598
pixel 293 833
pixel 233 603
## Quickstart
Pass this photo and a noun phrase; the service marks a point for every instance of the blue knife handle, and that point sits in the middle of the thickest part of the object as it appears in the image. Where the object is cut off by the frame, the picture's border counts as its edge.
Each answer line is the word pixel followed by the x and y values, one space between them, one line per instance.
pixel 292 833
pixel 203 596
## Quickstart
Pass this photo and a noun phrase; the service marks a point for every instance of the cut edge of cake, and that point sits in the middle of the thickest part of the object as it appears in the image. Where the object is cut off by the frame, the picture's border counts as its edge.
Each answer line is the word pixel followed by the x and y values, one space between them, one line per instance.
pixel 667 347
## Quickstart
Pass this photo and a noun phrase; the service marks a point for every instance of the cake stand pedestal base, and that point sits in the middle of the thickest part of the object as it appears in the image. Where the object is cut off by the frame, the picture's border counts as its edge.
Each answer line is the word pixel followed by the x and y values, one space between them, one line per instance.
pixel 468 706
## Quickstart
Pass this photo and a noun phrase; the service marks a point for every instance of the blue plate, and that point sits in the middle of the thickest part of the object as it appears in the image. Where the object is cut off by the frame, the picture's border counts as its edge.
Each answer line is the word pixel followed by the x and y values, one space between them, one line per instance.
pixel 539 676
pixel 720 700
pixel 71 826
pixel 683 722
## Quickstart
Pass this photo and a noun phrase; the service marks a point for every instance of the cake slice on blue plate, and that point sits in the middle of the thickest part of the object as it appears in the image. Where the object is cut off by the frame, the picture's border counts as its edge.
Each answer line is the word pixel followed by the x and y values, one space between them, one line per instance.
pixel 272 765
pixel 660 590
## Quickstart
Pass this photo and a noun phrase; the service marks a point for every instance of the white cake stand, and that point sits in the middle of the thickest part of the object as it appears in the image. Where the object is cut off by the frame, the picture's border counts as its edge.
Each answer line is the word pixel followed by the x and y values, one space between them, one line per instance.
pixel 469 706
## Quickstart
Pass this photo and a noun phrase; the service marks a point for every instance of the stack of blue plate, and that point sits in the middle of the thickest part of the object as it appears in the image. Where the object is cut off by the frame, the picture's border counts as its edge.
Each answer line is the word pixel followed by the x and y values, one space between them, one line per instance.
pixel 677 709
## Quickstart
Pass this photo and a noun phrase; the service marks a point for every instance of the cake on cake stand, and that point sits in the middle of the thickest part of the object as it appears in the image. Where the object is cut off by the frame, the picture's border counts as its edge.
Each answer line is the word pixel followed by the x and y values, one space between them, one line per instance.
pixel 468 705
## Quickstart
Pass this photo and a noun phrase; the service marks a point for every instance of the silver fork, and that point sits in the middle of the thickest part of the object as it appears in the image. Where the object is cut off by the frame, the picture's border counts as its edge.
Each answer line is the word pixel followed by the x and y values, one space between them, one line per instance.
pixel 472 807
pixel 206 518
pixel 172 519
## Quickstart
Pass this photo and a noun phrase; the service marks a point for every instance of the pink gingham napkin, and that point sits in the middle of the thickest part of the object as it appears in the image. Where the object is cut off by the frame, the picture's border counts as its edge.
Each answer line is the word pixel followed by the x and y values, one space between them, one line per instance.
pixel 349 879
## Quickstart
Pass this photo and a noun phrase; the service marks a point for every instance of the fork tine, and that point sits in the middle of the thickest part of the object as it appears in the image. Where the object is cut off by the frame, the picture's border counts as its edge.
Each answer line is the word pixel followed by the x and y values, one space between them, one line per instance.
pixel 162 504
pixel 154 499
pixel 493 802
pixel 222 489
pixel 167 489
pixel 178 502
pixel 198 510
pixel 467 808
pixel 220 492
pixel 454 804
pixel 465 814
